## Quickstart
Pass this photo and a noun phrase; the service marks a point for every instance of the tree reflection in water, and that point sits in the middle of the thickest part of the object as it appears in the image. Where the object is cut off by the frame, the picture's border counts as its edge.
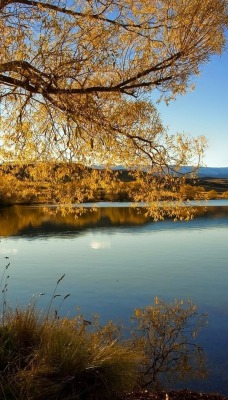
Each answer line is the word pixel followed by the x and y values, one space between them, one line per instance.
pixel 17 219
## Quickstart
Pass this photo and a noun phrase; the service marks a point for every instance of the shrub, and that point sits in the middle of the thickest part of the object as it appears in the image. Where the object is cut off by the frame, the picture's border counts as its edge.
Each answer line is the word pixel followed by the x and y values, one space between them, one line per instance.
pixel 166 333
pixel 192 192
pixel 225 195
pixel 212 194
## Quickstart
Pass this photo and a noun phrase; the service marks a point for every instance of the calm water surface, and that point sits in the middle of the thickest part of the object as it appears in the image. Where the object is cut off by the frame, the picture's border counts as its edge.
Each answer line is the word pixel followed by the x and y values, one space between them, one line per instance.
pixel 116 260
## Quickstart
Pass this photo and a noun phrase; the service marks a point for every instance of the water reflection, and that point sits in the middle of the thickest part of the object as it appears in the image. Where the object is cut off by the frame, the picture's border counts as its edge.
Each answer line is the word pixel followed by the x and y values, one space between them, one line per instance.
pixel 115 260
pixel 23 220
pixel 17 220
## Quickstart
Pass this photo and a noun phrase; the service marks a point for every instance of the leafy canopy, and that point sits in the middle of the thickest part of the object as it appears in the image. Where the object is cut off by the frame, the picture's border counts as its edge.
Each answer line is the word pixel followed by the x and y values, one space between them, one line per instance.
pixel 75 78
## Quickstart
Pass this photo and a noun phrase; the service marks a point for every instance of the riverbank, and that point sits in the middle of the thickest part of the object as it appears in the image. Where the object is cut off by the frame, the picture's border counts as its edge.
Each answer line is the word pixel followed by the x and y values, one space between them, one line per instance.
pixel 173 395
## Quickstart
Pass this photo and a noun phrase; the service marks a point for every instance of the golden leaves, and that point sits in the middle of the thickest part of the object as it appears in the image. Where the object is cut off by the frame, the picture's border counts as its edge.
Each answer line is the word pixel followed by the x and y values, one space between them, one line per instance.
pixel 81 92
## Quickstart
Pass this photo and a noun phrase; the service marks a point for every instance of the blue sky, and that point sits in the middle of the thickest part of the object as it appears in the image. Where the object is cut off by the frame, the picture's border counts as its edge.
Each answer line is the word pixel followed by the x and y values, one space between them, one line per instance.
pixel 204 111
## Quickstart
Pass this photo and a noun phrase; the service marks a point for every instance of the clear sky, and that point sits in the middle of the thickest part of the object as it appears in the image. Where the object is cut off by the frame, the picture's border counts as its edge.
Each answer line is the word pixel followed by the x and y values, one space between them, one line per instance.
pixel 204 111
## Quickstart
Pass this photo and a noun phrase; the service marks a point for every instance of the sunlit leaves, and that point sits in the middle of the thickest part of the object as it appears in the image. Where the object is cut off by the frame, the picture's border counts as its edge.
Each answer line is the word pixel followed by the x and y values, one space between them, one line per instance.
pixel 75 78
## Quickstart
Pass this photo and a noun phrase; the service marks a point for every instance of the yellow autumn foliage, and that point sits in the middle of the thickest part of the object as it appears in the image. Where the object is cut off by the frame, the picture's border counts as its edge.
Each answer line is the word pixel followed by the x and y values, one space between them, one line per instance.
pixel 76 79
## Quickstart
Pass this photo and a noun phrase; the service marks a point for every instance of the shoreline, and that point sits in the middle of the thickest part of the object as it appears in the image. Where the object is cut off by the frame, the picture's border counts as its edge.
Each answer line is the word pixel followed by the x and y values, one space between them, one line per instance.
pixel 184 394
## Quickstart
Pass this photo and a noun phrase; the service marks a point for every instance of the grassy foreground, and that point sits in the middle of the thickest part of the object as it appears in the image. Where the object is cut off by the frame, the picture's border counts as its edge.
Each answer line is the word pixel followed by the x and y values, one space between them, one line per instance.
pixel 53 358
pixel 47 357
pixel 57 359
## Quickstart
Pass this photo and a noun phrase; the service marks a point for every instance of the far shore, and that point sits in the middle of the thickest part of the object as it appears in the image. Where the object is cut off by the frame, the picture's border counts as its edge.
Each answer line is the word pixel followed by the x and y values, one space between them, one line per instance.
pixel 202 189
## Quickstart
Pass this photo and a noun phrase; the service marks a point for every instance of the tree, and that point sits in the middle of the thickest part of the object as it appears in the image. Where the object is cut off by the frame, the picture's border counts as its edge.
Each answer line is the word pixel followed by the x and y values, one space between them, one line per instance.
pixel 75 78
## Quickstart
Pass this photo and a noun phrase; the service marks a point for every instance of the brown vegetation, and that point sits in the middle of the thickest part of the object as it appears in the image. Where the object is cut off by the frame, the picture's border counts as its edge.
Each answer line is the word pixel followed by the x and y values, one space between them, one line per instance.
pixel 48 357
pixel 28 184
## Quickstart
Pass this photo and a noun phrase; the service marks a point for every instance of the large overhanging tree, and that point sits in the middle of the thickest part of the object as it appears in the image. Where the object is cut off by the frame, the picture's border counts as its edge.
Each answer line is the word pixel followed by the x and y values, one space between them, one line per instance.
pixel 76 78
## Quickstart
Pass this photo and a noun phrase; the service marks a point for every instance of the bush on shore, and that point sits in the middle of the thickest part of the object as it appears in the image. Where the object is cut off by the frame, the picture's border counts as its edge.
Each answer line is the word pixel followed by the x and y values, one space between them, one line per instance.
pixel 225 195
pixel 44 357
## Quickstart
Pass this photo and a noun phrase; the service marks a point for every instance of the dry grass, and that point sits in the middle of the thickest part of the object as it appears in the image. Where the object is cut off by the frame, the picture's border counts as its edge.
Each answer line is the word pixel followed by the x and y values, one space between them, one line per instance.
pixel 43 359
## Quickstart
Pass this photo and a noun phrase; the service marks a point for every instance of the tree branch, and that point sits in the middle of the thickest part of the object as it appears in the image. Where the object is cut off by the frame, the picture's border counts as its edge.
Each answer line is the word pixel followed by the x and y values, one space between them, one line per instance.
pixel 158 67
pixel 73 13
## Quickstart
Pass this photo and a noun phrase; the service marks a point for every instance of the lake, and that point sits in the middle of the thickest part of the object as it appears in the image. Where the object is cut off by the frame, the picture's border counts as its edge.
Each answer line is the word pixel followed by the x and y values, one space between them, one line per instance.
pixel 115 260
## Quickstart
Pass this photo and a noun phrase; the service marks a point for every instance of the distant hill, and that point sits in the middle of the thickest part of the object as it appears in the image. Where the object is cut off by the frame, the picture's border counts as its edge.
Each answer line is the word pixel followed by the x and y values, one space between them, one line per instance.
pixel 202 172
pixel 208 172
